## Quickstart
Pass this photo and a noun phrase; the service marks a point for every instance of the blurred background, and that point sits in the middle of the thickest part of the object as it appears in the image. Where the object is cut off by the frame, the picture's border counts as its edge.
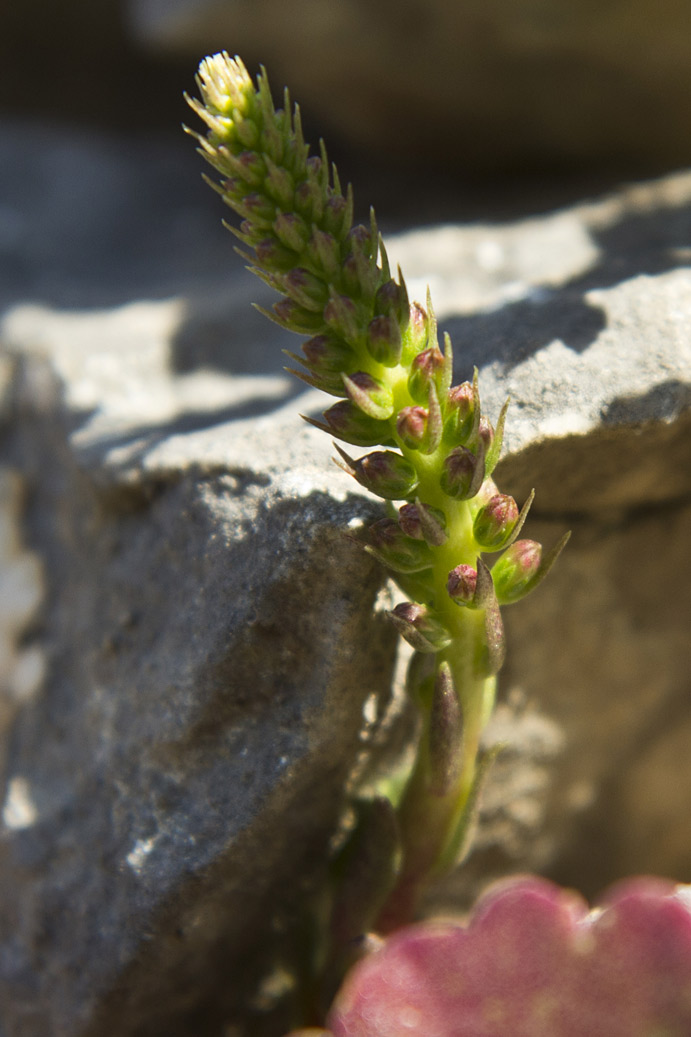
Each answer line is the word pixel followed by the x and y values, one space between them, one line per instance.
pixel 486 105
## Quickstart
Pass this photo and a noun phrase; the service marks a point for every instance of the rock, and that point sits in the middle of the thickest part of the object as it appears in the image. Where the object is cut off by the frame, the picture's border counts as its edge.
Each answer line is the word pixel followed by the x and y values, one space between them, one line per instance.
pixel 473 87
pixel 197 621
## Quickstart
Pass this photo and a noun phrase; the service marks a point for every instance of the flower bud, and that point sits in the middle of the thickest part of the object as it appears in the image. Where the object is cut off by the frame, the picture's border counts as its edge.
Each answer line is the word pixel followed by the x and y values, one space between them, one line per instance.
pixel 416 336
pixel 522 567
pixel 461 410
pixel 271 255
pixel 425 368
pixel 291 231
pixel 279 184
pixel 387 474
pixel 420 627
pixel 461 584
pixel 384 340
pixel 347 422
pixel 462 473
pixel 340 313
pixel 372 397
pixel 389 544
pixel 334 213
pixel 411 426
pixel 305 289
pixel 495 522
pixel 391 300
pixel 248 165
pixel 293 317
pixel 513 574
pixel 323 250
pixel 309 200
pixel 423 522
pixel 258 209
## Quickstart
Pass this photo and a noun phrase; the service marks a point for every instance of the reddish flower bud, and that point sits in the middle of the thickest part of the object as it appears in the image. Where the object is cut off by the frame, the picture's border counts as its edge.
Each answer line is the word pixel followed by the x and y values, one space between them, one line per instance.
pixel 495 522
pixel 334 213
pixel 423 522
pixel 461 584
pixel 411 426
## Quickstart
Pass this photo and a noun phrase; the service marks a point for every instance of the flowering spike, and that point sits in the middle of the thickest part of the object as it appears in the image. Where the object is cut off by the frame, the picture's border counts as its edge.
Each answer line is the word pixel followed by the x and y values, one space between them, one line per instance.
pixel 445 734
pixel 372 345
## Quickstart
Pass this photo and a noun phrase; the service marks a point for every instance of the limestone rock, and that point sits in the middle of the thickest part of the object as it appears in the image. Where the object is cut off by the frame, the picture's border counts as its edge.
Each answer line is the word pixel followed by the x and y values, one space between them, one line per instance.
pixel 485 86
pixel 201 630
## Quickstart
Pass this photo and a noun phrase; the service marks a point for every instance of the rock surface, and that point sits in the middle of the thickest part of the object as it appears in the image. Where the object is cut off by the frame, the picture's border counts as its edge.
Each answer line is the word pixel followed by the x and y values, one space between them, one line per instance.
pixel 501 85
pixel 195 622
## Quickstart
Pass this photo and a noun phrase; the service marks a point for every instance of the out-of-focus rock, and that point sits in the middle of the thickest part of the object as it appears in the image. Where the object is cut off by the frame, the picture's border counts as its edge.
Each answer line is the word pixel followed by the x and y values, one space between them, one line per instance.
pixel 202 630
pixel 477 85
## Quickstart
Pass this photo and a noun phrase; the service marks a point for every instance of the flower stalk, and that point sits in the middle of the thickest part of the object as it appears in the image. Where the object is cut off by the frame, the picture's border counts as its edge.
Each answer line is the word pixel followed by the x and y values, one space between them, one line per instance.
pixel 380 356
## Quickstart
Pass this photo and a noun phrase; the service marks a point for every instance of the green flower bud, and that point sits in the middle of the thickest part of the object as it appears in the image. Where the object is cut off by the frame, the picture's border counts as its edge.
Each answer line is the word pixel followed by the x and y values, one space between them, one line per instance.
pixel 462 473
pixel 347 422
pixel 305 289
pixel 421 628
pixel 461 409
pixel 291 231
pixel 522 567
pixel 514 573
pixel 387 474
pixel 391 300
pixel 373 398
pixel 399 552
pixel 340 313
pixel 461 584
pixel 293 317
pixel 495 522
pixel 324 251
pixel 335 212
pixel 426 368
pixel 273 256
pixel 279 184
pixel 384 340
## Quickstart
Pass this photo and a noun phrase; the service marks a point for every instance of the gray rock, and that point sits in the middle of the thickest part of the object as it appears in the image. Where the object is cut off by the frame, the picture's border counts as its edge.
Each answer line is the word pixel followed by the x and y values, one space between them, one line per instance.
pixel 473 86
pixel 195 632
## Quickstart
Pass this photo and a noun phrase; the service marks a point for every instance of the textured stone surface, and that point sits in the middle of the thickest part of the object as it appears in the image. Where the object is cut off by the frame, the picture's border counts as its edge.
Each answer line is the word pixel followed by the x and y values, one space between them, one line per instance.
pixel 484 85
pixel 198 617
